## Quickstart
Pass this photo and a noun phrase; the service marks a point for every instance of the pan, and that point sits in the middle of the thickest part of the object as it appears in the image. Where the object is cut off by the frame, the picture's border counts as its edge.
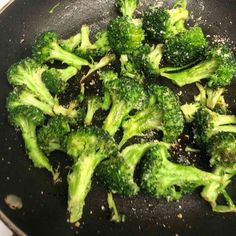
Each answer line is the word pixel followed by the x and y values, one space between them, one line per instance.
pixel 44 203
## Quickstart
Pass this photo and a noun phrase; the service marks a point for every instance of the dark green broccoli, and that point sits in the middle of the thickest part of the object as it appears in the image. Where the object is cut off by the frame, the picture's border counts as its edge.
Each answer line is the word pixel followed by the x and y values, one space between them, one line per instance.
pixel 218 68
pixel 56 80
pixel 186 47
pixel 118 172
pixel 160 24
pixel 115 216
pixel 88 147
pixel 20 96
pixel 211 98
pixel 147 59
pixel 71 43
pixel 47 48
pixel 163 178
pixel 126 95
pixel 222 149
pixel 28 73
pixel 129 69
pixel 125 35
pixel 51 136
pixel 208 123
pixel 163 113
pixel 27 118
pixel 127 7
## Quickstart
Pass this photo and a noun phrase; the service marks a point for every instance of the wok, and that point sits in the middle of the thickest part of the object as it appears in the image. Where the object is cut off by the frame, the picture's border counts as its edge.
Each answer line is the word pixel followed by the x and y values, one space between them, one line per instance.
pixel 44 210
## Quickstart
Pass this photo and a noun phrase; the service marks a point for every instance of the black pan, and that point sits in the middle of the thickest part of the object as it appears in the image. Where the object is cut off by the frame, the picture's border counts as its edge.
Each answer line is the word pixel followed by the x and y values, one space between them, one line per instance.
pixel 44 211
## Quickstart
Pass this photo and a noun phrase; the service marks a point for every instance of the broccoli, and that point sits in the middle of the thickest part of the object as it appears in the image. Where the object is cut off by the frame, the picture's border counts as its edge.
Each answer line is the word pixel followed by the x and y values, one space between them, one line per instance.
pixel 115 216
pixel 222 149
pixel 127 7
pixel 208 123
pixel 125 35
pixel 118 172
pixel 163 114
pixel 89 50
pixel 147 59
pixel 160 24
pixel 164 178
pixel 56 80
pixel 219 68
pixel 211 98
pixel 185 47
pixel 71 43
pixel 129 69
pixel 20 96
pixel 27 118
pixel 51 136
pixel 88 147
pixel 27 73
pixel 47 48
pixel 126 95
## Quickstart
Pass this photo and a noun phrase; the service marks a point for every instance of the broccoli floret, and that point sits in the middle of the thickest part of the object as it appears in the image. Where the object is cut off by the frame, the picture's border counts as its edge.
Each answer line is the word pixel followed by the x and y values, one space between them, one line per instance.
pixel 189 110
pixel 27 118
pixel 222 149
pixel 164 179
pixel 124 35
pixel 127 7
pixel 126 95
pixel 208 123
pixel 115 216
pixel 56 80
pixel 71 43
pixel 47 48
pixel 185 47
pixel 218 68
pixel 28 73
pixel 163 114
pixel 147 59
pixel 118 172
pixel 129 69
pixel 88 147
pixel 20 96
pixel 51 136
pixel 160 24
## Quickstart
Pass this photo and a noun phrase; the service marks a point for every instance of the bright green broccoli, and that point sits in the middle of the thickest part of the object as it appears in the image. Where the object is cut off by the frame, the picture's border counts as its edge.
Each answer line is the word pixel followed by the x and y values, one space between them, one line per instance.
pixel 186 47
pixel 28 73
pixel 147 59
pixel 208 123
pixel 125 35
pixel 127 7
pixel 56 80
pixel 88 147
pixel 160 24
pixel 52 135
pixel 163 114
pixel 71 43
pixel 126 95
pixel 163 178
pixel 218 68
pixel 118 172
pixel 27 118
pixel 47 48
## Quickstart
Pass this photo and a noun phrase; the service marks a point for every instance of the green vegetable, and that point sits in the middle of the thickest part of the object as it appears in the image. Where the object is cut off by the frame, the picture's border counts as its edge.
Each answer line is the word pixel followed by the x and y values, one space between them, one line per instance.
pixel 127 7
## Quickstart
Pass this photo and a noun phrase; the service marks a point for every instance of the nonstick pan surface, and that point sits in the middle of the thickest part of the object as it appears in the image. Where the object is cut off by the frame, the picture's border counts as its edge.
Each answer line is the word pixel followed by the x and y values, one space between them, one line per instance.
pixel 44 210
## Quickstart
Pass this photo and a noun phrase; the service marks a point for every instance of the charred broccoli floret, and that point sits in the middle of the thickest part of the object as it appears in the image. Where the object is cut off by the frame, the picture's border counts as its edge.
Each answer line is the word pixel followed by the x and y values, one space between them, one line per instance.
pixel 218 68
pixel 160 24
pixel 88 147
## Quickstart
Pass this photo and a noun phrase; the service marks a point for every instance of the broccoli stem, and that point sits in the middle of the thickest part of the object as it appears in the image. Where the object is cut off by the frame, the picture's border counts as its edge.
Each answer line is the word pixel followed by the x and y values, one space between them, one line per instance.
pixel 128 8
pixel 114 119
pixel 191 75
pixel 32 148
pixel 66 57
pixel 92 107
pixel 148 119
pixel 71 43
pixel 67 73
pixel 213 97
pixel 225 120
pixel 79 181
